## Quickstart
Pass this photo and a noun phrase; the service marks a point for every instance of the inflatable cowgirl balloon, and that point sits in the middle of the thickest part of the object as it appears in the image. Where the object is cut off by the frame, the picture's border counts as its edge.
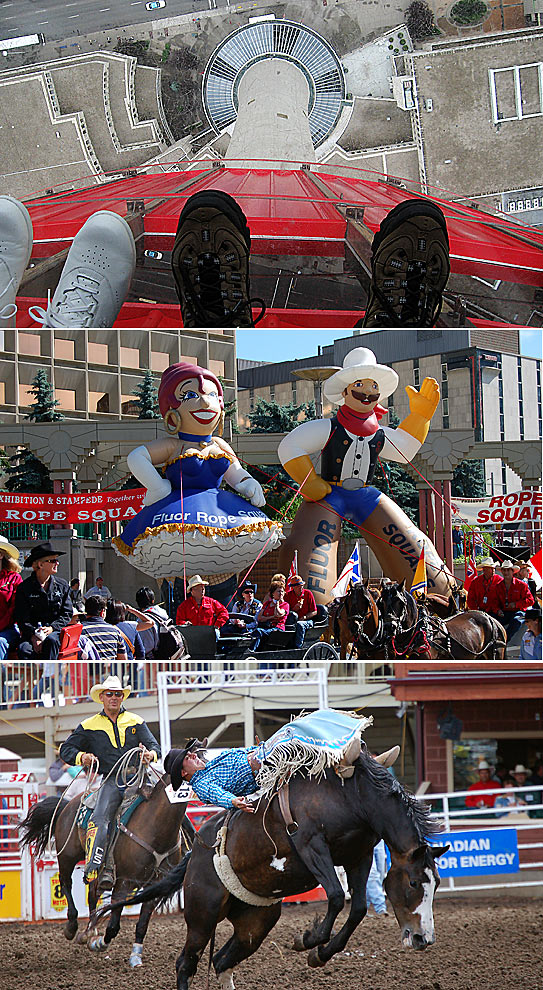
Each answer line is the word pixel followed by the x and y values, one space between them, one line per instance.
pixel 188 524
pixel 350 443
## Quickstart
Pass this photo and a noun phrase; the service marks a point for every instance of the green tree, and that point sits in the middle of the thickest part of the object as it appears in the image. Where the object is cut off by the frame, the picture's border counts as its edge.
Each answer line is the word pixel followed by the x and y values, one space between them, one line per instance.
pixel 147 397
pixel 420 20
pixel 271 417
pixel 26 473
pixel 43 409
pixel 469 11
pixel 469 480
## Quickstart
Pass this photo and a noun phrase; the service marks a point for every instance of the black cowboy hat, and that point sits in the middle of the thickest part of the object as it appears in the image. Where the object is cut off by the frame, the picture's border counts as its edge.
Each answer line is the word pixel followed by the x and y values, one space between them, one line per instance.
pixel 533 613
pixel 247 586
pixel 173 764
pixel 41 551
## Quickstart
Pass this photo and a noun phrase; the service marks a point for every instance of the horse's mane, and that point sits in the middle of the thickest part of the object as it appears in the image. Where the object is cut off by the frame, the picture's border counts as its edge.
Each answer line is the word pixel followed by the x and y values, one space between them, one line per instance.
pixel 418 812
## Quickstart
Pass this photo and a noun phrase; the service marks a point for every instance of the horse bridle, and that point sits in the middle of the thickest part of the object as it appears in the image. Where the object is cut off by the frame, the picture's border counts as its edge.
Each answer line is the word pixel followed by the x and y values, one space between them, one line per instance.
pixel 362 639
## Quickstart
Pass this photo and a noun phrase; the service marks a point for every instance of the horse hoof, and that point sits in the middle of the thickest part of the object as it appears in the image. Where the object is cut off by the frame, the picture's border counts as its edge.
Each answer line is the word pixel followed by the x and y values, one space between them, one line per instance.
pixel 70 930
pixel 298 944
pixel 314 960
pixel 98 944
pixel 81 938
pixel 135 960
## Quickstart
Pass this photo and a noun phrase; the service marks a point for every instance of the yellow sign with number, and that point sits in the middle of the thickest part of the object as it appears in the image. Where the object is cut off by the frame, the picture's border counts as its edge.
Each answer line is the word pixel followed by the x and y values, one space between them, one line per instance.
pixel 58 900
pixel 10 894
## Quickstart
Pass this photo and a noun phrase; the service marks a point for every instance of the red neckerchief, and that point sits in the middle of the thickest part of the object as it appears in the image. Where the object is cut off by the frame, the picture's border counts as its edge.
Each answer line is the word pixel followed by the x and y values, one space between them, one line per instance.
pixel 361 424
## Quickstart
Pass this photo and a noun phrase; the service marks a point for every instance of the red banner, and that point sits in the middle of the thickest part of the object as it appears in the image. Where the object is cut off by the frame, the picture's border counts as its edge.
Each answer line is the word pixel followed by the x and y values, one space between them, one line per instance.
pixel 89 507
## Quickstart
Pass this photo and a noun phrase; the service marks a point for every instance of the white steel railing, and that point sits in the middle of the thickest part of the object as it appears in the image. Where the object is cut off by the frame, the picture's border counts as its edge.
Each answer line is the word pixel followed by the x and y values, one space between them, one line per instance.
pixel 58 684
pixel 515 816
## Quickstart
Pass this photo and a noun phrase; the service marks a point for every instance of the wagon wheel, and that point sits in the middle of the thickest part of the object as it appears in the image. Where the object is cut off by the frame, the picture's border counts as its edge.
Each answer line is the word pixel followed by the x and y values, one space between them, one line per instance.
pixel 321 653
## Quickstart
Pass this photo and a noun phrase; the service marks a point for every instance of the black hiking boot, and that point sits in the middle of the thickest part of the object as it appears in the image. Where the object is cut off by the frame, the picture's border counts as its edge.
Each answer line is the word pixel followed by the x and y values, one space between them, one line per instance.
pixel 210 262
pixel 410 267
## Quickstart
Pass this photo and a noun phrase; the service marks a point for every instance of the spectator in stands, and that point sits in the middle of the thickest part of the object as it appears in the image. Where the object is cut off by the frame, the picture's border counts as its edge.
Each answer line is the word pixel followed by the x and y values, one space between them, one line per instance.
pixel 106 638
pixel 76 596
pixel 301 601
pixel 272 615
pixel 513 597
pixel 530 647
pixel 536 780
pixel 527 797
pixel 42 608
pixel 10 579
pixel 458 540
pixel 484 783
pixel 145 599
pixel 99 589
pixel 509 800
pixel 482 592
pixel 117 615
pixel 523 574
pixel 246 608
pixel 200 610
pixel 479 544
pixel 276 579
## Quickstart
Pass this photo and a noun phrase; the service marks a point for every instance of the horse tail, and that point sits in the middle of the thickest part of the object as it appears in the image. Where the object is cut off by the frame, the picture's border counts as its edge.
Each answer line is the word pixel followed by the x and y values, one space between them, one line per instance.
pixel 36 826
pixel 161 891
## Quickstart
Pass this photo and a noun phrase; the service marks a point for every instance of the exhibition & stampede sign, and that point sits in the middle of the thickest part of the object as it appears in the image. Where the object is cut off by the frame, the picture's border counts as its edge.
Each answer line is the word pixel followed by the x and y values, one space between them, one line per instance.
pixel 88 507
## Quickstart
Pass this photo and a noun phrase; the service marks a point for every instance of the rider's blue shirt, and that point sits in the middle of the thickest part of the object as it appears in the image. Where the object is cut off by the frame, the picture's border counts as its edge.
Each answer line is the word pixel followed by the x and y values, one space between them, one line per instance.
pixel 225 777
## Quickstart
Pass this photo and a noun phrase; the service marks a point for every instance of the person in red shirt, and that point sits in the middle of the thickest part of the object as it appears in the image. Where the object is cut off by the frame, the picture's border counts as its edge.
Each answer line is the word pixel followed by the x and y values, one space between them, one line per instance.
pixel 198 609
pixel 272 615
pixel 514 597
pixel 301 601
pixel 482 592
pixel 484 783
pixel 10 579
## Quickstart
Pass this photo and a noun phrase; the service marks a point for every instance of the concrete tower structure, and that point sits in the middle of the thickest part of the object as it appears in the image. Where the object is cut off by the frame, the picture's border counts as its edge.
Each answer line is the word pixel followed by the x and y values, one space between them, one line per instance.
pixel 273 112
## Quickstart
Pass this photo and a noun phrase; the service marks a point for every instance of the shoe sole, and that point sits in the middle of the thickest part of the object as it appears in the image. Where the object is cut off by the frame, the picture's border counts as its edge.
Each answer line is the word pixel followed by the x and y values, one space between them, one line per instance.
pixel 224 205
pixel 408 211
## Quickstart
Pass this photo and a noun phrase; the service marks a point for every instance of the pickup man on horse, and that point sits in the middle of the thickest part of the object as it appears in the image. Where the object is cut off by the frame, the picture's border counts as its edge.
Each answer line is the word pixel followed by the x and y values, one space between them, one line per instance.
pixel 103 739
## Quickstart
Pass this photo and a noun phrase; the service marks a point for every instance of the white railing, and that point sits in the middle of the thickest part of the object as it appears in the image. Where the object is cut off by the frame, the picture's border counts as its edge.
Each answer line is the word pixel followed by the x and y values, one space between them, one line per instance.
pixel 517 817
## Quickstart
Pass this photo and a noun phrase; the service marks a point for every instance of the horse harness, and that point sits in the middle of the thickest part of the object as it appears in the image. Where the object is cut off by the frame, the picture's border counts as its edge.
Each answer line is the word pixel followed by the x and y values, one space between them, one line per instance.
pixel 430 631
pixel 362 639
pixel 158 857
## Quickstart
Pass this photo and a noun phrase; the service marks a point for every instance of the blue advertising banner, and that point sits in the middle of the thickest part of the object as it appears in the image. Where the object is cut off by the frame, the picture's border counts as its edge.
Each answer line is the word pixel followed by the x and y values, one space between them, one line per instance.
pixel 478 851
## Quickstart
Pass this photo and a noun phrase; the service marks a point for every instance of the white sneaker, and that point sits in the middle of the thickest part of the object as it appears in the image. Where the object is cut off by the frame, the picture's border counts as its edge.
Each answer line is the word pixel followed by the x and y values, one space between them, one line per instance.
pixel 96 275
pixel 16 240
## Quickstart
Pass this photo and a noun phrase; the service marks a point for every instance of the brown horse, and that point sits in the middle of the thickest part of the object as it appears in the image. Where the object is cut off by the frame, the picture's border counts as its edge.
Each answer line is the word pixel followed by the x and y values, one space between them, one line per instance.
pixel 356 624
pixel 151 846
pixel 410 631
pixel 339 823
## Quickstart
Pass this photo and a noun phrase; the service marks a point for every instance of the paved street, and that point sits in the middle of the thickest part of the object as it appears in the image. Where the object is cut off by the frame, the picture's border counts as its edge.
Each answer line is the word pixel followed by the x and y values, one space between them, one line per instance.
pixel 57 19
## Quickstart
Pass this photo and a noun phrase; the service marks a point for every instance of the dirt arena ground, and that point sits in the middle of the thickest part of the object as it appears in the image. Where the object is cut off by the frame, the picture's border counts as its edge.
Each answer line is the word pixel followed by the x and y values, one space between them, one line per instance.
pixel 482 944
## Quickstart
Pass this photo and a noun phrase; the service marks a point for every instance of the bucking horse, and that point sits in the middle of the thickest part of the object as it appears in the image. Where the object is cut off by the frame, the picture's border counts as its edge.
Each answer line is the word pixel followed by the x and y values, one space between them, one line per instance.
pixel 242 866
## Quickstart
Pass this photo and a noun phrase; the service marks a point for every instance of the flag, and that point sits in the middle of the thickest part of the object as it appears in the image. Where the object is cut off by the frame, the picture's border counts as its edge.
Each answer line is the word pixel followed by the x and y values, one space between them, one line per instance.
pixel 420 582
pixel 351 572
pixel 293 570
pixel 535 565
pixel 471 573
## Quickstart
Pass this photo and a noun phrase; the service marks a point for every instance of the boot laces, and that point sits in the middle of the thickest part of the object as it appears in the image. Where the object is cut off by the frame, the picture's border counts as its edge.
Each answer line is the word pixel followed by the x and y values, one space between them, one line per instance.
pixel 209 303
pixel 78 303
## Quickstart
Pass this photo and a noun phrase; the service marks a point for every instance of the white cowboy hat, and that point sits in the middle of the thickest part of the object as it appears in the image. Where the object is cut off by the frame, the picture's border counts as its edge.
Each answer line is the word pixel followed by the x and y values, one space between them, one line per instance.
pixel 7 549
pixel 506 564
pixel 194 580
pixel 488 562
pixel 520 768
pixel 483 765
pixel 111 683
pixel 358 364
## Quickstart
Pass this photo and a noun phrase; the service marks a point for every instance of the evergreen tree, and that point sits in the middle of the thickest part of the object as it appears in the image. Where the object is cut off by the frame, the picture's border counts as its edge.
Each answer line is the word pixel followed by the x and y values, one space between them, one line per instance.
pixel 420 20
pixel 469 480
pixel 271 417
pixel 147 397
pixel 43 409
pixel 27 473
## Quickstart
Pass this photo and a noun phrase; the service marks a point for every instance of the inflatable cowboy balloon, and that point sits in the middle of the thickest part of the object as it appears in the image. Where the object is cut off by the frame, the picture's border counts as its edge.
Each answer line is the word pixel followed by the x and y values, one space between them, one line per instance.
pixel 188 524
pixel 349 445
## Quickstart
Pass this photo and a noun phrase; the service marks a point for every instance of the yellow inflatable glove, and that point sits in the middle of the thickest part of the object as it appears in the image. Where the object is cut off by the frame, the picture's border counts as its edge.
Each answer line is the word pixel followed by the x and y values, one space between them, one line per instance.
pixel 423 405
pixel 312 487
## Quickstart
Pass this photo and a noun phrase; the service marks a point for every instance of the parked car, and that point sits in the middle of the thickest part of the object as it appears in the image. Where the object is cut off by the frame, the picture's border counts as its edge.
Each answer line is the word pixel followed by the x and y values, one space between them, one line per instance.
pixel 157 255
pixel 155 4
